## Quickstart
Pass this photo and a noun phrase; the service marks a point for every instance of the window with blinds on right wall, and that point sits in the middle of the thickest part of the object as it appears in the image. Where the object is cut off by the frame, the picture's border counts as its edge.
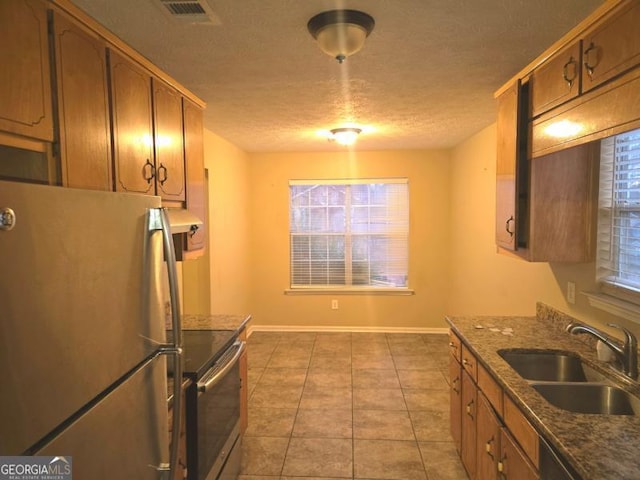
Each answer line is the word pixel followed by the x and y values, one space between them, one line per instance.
pixel 618 258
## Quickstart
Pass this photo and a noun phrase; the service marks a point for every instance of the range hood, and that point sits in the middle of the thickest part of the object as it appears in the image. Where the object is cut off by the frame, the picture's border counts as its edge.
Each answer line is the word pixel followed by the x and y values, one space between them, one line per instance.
pixel 182 220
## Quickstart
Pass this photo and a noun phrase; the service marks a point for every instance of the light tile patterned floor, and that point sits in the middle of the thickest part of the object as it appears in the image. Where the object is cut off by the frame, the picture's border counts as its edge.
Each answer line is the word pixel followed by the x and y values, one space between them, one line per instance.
pixel 327 406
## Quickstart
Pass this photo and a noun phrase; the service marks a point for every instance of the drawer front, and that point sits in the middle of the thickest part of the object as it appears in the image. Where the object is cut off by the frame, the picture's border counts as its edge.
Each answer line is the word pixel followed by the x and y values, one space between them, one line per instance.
pixel 521 430
pixel 469 363
pixel 491 390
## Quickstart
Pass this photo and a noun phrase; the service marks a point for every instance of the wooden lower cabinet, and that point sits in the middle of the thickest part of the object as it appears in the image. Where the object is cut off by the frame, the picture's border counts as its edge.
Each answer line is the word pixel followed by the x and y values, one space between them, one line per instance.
pixel 488 445
pixel 494 443
pixel 469 429
pixel 513 464
pixel 455 402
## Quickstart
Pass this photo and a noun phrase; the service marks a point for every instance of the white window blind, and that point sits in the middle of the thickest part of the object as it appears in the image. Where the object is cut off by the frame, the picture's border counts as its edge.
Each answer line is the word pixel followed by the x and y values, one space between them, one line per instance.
pixel 349 233
pixel 618 259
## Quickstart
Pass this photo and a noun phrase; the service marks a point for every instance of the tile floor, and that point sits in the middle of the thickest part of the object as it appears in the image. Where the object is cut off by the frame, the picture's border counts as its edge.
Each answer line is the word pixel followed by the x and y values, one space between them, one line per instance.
pixel 348 405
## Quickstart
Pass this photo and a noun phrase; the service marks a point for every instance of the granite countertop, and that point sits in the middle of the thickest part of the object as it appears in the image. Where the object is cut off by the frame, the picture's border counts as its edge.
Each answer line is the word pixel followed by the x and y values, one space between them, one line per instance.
pixel 597 446
pixel 215 322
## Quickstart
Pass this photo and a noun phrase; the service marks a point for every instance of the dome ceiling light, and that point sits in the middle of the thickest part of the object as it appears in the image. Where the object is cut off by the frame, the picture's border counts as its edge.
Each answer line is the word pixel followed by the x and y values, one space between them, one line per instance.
pixel 341 33
pixel 345 135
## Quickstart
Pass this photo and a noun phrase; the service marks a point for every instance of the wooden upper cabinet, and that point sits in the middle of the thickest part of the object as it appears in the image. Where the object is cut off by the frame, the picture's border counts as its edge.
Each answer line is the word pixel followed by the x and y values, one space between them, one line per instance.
pixel 556 81
pixel 612 47
pixel 131 109
pixel 25 79
pixel 194 163
pixel 168 141
pixel 83 107
pixel 562 205
pixel 506 164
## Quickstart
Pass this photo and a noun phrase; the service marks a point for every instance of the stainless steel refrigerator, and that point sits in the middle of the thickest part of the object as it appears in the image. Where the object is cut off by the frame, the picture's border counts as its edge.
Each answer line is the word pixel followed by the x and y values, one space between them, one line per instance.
pixel 82 330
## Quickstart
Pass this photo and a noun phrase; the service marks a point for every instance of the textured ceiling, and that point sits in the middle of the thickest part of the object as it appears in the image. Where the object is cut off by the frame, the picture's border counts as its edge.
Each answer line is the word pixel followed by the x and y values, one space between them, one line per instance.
pixel 424 79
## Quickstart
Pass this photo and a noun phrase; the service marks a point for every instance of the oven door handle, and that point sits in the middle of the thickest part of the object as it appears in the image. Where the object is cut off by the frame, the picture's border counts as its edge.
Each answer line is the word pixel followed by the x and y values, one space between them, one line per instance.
pixel 221 371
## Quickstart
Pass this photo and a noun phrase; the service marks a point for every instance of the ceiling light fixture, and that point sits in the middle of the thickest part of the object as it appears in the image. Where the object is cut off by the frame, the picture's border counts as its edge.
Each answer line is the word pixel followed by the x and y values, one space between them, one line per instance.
pixel 341 33
pixel 345 135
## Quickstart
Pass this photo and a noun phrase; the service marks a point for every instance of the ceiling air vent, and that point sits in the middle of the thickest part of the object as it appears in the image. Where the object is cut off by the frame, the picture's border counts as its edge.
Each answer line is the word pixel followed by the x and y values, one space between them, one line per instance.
pixel 190 11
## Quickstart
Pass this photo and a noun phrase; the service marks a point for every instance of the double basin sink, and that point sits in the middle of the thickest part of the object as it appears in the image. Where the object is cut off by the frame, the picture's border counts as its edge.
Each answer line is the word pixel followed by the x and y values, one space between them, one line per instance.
pixel 565 381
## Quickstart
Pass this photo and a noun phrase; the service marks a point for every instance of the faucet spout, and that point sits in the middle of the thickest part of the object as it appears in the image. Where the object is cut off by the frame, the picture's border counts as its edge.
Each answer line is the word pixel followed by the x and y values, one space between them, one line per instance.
pixel 626 351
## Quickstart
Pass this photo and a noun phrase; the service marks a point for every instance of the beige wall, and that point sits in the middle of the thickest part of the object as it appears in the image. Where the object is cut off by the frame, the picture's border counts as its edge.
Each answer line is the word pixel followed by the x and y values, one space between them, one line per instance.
pixel 454 267
pixel 483 282
pixel 229 270
pixel 428 174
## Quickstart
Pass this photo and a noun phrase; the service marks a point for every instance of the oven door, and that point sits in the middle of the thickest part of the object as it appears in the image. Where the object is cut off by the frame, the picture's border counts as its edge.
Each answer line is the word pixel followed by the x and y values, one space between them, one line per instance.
pixel 214 427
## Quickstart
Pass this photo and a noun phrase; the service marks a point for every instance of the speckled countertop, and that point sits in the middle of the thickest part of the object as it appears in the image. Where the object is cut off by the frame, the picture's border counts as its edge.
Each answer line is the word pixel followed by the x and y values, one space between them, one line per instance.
pixel 598 446
pixel 215 322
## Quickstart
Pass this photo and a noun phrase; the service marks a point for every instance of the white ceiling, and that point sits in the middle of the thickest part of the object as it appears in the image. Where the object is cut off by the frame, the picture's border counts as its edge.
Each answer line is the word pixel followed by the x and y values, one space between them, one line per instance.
pixel 424 79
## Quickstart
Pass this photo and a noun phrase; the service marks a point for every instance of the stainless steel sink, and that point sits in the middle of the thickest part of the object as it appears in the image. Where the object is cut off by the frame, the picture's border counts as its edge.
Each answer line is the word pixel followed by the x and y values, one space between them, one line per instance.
pixel 589 398
pixel 552 366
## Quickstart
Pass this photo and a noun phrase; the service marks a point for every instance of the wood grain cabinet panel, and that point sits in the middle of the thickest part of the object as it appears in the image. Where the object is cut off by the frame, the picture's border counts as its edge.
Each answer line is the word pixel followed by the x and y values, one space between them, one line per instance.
pixel 513 464
pixel 488 440
pixel 83 107
pixel 25 78
pixel 168 142
pixel 194 164
pixel 612 47
pixel 507 156
pixel 131 109
pixel 455 401
pixel 469 432
pixel 556 81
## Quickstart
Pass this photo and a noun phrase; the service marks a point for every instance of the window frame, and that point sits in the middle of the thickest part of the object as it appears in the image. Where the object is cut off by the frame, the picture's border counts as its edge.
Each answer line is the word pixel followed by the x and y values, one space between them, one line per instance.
pixel 348 287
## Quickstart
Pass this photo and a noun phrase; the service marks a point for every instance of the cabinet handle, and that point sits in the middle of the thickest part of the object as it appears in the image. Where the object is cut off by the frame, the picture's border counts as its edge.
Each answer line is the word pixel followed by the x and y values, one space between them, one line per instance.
pixel 162 178
pixel 511 219
pixel 502 467
pixel 454 384
pixel 587 54
pixel 565 71
pixel 488 446
pixel 470 409
pixel 148 171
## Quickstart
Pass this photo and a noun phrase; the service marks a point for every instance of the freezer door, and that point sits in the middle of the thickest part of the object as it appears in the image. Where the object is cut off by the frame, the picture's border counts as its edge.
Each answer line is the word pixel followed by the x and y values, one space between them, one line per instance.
pixel 80 304
pixel 124 435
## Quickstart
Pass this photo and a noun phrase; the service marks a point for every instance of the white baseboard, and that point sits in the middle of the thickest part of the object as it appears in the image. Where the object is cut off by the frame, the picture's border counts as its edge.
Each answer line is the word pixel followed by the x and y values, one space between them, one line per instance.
pixel 322 329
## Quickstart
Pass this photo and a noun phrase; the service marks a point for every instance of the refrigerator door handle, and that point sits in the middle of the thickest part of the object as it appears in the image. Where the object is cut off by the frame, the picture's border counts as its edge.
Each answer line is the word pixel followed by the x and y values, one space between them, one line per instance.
pixel 159 220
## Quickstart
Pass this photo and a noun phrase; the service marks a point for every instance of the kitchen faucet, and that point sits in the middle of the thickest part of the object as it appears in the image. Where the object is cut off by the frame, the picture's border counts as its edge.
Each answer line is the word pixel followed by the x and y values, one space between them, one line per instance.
pixel 626 352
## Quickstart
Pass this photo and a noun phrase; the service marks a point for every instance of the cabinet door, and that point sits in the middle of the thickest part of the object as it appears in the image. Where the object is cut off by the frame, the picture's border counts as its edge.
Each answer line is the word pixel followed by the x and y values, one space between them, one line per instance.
pixel 168 141
pixel 556 81
pixel 488 440
pixel 455 403
pixel 469 415
pixel 194 163
pixel 513 464
pixel 611 48
pixel 132 126
pixel 83 107
pixel 25 79
pixel 507 155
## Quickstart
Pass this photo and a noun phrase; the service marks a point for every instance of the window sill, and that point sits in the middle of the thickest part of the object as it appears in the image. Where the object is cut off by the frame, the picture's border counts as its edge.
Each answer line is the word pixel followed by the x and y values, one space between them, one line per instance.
pixel 610 304
pixel 349 291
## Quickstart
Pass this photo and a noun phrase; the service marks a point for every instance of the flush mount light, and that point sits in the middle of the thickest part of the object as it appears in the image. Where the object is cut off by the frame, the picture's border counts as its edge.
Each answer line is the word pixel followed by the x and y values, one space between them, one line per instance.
pixel 341 33
pixel 345 135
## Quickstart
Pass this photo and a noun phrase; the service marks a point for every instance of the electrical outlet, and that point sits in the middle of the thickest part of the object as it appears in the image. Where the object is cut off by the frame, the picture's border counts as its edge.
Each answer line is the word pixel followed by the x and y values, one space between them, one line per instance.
pixel 334 304
pixel 571 292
